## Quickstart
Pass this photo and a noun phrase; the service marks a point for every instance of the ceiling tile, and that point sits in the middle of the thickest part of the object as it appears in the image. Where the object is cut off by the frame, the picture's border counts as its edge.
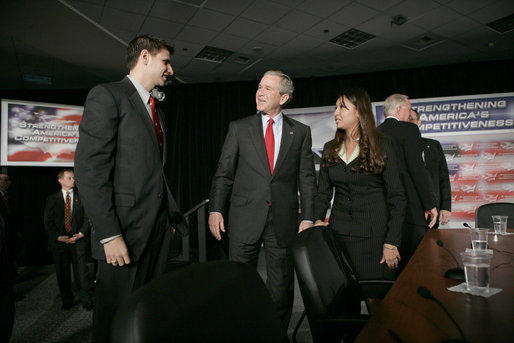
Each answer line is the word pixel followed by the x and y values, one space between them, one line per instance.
pixel 196 35
pixel 91 10
pixel 297 21
pixel 275 36
pixel 170 10
pixel 228 42
pixel 434 18
pixel 493 12
pixel 234 7
pixel 456 27
pixel 186 49
pixel 265 12
pixel 468 6
pixel 132 6
pixel 379 5
pixel 353 15
pixel 326 30
pixel 329 7
pixel 164 29
pixel 245 28
pixel 114 18
pixel 211 20
pixel 264 49
pixel 412 8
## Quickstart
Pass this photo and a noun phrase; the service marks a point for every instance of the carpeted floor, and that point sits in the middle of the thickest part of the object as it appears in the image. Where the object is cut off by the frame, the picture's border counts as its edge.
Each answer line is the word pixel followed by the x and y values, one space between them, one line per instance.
pixel 39 317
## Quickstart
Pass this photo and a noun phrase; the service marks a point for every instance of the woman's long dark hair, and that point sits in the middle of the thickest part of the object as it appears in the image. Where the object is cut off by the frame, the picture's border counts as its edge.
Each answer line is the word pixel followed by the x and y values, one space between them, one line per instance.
pixel 370 157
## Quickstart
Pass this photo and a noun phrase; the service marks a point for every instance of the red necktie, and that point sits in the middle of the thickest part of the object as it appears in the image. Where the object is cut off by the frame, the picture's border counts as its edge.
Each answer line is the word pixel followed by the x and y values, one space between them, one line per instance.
pixel 67 213
pixel 156 123
pixel 269 139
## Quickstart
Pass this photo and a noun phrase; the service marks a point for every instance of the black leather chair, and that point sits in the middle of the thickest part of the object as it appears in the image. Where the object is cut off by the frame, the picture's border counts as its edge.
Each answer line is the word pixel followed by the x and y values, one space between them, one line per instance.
pixel 484 213
pixel 209 302
pixel 329 288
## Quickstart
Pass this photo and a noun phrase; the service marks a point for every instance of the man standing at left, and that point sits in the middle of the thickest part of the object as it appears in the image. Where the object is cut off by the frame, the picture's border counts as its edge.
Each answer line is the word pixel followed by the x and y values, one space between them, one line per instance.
pixel 68 239
pixel 121 171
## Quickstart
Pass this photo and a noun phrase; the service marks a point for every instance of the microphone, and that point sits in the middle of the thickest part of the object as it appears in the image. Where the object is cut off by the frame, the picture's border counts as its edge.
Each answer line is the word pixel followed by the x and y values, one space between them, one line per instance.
pixel 466 225
pixel 453 273
pixel 425 293
pixel 158 95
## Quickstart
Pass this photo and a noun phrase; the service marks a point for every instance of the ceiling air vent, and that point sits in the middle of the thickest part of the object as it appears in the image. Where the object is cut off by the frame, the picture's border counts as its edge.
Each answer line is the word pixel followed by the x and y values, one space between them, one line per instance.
pixel 352 38
pixel 212 54
pixel 423 41
pixel 503 25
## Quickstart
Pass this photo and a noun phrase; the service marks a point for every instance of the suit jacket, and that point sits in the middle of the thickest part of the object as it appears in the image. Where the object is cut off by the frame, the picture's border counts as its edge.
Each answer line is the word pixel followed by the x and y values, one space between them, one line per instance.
pixel 119 170
pixel 244 177
pixel 371 206
pixel 438 170
pixel 54 220
pixel 415 177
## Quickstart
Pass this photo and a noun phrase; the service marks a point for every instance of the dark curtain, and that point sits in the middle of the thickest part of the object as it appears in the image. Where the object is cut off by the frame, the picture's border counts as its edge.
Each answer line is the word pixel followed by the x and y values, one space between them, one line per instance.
pixel 198 116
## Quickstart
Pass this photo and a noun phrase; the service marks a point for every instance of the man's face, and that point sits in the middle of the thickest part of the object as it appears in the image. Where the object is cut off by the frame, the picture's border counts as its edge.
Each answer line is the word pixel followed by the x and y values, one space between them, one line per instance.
pixel 67 181
pixel 159 67
pixel 413 118
pixel 5 182
pixel 404 110
pixel 268 97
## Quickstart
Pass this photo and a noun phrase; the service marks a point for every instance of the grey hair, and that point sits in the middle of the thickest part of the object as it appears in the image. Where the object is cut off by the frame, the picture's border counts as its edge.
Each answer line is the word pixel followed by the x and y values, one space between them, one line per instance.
pixel 392 102
pixel 286 85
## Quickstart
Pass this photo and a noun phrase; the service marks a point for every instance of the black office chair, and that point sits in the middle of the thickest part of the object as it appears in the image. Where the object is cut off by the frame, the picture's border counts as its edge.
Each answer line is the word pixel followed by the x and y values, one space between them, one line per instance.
pixel 329 287
pixel 484 213
pixel 217 301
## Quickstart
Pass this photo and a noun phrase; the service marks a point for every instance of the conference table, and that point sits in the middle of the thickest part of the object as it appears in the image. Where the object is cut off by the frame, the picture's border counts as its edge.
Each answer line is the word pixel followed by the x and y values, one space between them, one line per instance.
pixel 404 316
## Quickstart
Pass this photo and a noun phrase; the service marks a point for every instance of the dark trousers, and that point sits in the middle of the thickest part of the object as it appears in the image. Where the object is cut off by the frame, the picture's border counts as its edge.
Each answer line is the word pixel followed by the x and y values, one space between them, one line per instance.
pixel 6 297
pixel 279 268
pixel 412 235
pixel 75 255
pixel 114 284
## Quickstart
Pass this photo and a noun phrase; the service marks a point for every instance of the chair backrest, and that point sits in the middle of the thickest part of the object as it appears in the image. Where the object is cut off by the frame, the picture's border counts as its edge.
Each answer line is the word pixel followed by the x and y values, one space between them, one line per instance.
pixel 483 214
pixel 217 301
pixel 324 276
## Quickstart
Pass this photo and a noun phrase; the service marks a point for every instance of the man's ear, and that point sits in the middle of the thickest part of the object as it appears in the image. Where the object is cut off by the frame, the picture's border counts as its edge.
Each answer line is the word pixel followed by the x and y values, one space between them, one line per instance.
pixel 144 56
pixel 283 98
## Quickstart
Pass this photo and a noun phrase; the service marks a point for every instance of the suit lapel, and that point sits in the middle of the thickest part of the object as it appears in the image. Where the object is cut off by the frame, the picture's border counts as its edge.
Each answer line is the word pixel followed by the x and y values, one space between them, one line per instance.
pixel 257 138
pixel 141 111
pixel 287 139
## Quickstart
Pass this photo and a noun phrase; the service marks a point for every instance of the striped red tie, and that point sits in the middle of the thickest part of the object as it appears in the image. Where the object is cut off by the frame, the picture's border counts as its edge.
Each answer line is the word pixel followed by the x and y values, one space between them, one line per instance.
pixel 269 139
pixel 156 124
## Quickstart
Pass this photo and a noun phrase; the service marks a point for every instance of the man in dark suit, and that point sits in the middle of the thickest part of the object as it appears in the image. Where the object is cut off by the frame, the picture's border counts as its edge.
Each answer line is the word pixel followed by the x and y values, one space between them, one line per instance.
pixel 265 160
pixel 68 232
pixel 121 170
pixel 438 169
pixel 421 207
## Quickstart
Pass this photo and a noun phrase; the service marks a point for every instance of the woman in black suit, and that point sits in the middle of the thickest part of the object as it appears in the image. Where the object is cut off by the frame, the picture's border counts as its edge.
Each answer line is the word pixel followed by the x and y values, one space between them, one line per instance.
pixel 369 203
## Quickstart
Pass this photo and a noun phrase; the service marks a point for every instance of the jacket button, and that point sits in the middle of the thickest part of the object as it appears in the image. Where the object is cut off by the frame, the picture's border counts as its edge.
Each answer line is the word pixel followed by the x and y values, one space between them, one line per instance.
pixel 349 199
pixel 161 195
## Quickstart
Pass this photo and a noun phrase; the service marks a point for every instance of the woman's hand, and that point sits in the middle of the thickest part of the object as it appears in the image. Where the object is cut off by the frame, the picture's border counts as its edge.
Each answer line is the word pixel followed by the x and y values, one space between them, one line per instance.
pixel 320 223
pixel 391 256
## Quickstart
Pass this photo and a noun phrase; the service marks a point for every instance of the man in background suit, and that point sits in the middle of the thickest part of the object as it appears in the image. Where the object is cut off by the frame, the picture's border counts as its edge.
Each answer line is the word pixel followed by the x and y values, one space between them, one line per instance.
pixel 68 239
pixel 438 169
pixel 265 160
pixel 421 204
pixel 122 174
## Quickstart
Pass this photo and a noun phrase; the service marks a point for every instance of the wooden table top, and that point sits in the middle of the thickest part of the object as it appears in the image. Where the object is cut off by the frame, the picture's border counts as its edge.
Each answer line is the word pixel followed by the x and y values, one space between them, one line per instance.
pixel 404 316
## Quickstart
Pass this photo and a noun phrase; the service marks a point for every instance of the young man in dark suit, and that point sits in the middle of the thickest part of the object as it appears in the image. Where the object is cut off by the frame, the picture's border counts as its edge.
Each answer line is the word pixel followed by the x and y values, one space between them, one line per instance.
pixel 265 160
pixel 68 239
pixel 438 169
pixel 122 174
pixel 421 207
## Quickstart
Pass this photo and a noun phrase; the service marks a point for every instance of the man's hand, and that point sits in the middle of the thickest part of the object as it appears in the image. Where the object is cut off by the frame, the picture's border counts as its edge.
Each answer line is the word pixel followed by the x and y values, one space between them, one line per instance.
pixel 216 224
pixel 444 216
pixel 304 225
pixel 321 223
pixel 64 239
pixel 76 237
pixel 116 252
pixel 433 217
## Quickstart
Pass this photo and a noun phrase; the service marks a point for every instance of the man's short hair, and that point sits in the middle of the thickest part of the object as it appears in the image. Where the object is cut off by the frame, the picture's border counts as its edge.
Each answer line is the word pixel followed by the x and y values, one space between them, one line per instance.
pixel 142 42
pixel 392 102
pixel 61 172
pixel 286 85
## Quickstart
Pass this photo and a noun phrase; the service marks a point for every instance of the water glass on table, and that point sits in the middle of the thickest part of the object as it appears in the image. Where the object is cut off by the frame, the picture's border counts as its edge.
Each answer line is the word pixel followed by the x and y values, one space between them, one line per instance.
pixel 500 224
pixel 479 239
pixel 477 268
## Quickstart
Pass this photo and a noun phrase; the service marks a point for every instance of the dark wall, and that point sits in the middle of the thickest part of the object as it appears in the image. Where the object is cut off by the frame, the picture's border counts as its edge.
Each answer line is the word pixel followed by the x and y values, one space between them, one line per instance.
pixel 198 116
